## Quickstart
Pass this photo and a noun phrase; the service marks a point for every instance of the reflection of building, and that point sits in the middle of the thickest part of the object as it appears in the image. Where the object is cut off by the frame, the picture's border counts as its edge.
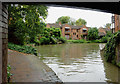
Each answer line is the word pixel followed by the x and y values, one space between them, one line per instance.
pixel 70 31
pixel 116 23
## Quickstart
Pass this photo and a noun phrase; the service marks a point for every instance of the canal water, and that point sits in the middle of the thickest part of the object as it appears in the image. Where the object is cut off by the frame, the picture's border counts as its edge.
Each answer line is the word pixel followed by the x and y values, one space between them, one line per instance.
pixel 78 62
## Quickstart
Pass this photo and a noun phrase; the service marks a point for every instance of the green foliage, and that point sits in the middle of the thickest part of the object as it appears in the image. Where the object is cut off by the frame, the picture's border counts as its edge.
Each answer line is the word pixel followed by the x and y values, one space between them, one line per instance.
pixel 8 72
pixel 24 49
pixel 106 37
pixel 49 36
pixel 62 40
pixel 92 33
pixel 118 64
pixel 78 41
pixel 25 22
pixel 63 19
pixel 108 25
pixel 81 22
pixel 110 48
pixel 96 41
pixel 84 41
pixel 44 40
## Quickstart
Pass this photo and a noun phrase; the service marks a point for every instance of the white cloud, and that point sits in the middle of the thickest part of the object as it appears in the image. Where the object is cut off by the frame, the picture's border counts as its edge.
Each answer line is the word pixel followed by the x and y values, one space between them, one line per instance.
pixel 93 18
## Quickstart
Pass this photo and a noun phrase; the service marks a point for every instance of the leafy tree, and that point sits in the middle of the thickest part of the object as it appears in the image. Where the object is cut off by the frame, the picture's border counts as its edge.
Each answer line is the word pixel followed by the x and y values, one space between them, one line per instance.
pixel 92 33
pixel 25 22
pixel 49 36
pixel 63 19
pixel 108 25
pixel 72 21
pixel 80 22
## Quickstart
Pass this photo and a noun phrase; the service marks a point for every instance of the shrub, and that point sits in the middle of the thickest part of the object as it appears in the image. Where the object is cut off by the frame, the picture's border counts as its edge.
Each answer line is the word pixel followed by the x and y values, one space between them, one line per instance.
pixel 44 40
pixel 62 39
pixel 104 39
pixel 24 49
pixel 92 33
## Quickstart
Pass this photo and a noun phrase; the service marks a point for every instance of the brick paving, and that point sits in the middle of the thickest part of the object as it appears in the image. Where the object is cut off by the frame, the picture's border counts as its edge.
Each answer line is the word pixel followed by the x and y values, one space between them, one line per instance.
pixel 28 68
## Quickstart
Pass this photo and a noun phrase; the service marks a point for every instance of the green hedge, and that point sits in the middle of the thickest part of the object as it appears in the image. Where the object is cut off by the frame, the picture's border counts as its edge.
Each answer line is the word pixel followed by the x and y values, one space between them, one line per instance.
pixel 84 41
pixel 24 49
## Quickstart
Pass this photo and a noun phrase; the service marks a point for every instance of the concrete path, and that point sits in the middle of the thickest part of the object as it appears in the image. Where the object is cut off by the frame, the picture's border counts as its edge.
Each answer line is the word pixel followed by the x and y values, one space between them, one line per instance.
pixel 28 68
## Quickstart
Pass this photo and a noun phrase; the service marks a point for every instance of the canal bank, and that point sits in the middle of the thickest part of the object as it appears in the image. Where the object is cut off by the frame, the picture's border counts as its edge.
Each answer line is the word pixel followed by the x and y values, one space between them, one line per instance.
pixel 28 68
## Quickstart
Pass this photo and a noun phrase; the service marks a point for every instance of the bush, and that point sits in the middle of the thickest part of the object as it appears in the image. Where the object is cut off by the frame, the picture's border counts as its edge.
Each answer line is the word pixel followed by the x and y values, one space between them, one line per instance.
pixel 62 39
pixel 44 40
pixel 24 49
pixel 104 39
pixel 93 34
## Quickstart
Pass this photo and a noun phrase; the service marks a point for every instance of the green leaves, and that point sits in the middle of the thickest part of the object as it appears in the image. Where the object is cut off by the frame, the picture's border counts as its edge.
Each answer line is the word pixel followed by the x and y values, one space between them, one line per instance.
pixel 63 19
pixel 8 72
pixel 24 49
pixel 110 48
pixel 49 36
pixel 92 33
pixel 81 22
pixel 27 21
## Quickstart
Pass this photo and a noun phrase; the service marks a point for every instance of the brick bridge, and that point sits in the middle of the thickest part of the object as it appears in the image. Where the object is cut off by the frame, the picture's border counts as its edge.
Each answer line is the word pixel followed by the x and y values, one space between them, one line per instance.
pixel 113 7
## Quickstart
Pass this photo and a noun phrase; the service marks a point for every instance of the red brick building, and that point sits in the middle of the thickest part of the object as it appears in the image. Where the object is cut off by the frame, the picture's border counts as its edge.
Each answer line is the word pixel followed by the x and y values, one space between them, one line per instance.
pixel 102 31
pixel 70 31
pixel 115 23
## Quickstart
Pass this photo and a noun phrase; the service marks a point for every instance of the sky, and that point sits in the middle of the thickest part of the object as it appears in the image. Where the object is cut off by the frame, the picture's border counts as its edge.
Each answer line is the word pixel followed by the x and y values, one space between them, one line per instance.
pixel 93 18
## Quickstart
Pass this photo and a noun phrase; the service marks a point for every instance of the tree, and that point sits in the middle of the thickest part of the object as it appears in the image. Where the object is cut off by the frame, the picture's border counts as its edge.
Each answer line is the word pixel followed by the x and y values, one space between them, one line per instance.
pixel 80 22
pixel 25 22
pixel 63 19
pixel 92 33
pixel 72 21
pixel 108 25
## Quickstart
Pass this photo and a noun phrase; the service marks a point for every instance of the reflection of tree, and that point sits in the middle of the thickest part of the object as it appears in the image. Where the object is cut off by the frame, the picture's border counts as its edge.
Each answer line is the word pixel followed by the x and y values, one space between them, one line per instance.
pixel 66 52
pixel 111 71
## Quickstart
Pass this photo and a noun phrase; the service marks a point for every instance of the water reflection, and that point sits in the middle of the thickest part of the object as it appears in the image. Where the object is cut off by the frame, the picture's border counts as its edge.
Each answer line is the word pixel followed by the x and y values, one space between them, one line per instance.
pixel 78 62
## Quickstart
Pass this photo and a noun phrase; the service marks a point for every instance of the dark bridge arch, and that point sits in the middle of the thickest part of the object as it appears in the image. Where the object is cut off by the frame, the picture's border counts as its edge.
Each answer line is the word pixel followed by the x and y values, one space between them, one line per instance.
pixel 112 7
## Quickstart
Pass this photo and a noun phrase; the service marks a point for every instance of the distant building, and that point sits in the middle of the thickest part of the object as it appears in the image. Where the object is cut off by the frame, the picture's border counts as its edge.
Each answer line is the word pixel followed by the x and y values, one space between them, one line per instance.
pixel 70 31
pixel 102 31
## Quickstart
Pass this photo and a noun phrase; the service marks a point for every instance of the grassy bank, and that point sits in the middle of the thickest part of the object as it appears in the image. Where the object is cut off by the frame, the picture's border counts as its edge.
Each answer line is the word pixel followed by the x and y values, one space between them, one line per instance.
pixel 84 41
pixel 23 48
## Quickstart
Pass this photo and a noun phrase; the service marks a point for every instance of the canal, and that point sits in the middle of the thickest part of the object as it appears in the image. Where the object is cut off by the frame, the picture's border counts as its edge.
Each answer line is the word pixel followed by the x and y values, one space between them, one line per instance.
pixel 78 62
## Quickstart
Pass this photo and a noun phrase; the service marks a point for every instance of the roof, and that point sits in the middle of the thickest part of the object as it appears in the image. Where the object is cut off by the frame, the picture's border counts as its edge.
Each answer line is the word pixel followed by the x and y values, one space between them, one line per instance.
pixel 59 26
pixel 101 34
pixel 76 27
pixel 54 25
pixel 106 29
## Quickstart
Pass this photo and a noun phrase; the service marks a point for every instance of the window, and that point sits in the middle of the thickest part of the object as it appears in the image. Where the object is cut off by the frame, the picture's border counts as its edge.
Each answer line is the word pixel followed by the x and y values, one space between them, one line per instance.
pixel 84 31
pixel 74 33
pixel 77 30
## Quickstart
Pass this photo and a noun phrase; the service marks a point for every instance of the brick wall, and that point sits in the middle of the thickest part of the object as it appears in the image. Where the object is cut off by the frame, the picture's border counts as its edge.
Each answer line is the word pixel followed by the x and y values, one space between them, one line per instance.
pixel 117 22
pixel 118 53
pixel 3 41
